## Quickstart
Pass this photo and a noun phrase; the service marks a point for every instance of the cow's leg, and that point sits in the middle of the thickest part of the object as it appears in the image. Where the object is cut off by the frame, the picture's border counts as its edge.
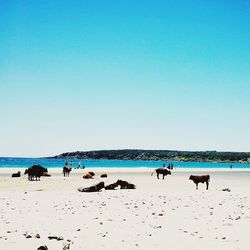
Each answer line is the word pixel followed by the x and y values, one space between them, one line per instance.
pixel 157 175
pixel 163 175
pixel 196 186
pixel 207 184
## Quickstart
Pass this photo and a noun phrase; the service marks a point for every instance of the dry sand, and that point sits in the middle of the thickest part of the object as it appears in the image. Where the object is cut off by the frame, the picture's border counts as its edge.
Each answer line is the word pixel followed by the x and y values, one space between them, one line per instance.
pixel 159 214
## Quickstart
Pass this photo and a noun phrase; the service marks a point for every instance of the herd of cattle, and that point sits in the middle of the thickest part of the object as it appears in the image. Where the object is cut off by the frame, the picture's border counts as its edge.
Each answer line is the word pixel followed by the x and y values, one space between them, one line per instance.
pixel 36 171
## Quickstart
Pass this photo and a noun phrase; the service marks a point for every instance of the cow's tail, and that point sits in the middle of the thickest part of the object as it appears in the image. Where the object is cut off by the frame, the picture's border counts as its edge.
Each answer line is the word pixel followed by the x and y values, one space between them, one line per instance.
pixel 152 172
pixel 208 178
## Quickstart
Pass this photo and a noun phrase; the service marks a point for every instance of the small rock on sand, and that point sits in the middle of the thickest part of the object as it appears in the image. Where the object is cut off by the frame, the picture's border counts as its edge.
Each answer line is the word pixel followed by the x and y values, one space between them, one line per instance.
pixel 226 189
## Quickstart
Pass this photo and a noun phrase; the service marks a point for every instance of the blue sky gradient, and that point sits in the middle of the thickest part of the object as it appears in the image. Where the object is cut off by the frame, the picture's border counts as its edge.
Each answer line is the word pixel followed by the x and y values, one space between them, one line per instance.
pixel 89 75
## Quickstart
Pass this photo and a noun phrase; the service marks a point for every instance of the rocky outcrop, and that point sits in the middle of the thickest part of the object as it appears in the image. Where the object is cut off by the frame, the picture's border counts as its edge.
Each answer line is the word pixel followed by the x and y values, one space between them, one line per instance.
pixel 155 155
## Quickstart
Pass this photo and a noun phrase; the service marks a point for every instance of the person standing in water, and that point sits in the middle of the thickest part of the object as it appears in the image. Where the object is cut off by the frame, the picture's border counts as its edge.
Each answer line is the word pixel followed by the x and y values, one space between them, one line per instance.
pixel 79 164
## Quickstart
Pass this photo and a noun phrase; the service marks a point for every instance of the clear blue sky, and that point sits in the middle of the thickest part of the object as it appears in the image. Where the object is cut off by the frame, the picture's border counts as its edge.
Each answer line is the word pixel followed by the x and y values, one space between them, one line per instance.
pixel 83 75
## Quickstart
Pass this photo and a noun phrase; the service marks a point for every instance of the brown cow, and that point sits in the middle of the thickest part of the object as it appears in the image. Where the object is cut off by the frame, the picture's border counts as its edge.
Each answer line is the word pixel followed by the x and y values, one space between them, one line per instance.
pixel 200 178
pixel 88 175
pixel 162 171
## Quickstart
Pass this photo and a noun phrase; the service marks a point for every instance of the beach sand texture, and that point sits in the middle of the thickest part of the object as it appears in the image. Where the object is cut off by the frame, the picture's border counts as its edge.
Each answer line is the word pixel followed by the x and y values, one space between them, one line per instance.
pixel 159 214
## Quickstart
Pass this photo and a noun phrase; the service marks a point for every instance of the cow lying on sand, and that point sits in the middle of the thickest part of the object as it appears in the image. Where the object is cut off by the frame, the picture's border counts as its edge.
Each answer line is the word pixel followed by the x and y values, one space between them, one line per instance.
pixel 94 188
pixel 111 186
pixel 125 184
pixel 162 171
pixel 88 175
pixel 122 184
pixel 200 178
pixel 18 174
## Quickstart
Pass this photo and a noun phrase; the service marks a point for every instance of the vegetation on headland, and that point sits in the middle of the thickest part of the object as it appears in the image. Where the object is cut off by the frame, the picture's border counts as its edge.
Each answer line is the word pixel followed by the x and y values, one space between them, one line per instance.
pixel 157 155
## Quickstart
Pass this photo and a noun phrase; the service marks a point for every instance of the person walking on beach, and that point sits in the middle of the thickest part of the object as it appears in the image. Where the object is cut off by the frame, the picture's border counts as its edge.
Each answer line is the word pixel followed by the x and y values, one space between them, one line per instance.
pixel 71 163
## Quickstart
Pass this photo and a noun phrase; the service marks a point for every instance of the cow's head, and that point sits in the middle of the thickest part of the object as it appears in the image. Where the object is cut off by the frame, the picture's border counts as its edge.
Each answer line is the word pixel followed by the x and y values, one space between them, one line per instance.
pixel 26 171
pixel 191 177
pixel 169 172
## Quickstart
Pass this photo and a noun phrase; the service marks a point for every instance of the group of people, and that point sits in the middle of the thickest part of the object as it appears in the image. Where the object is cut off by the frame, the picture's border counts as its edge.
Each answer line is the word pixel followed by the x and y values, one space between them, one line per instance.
pixel 70 165
pixel 170 166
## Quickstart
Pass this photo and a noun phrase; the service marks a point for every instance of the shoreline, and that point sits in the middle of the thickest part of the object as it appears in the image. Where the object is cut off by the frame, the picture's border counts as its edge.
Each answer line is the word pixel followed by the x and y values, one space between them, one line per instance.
pixel 138 169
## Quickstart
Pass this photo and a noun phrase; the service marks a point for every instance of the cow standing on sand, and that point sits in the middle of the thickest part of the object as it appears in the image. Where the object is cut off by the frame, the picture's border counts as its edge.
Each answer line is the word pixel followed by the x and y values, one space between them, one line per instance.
pixel 200 178
pixel 36 171
pixel 162 171
pixel 66 171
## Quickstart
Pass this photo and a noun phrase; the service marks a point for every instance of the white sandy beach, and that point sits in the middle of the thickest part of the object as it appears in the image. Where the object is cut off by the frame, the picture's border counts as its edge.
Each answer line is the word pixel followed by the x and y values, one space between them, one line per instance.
pixel 159 214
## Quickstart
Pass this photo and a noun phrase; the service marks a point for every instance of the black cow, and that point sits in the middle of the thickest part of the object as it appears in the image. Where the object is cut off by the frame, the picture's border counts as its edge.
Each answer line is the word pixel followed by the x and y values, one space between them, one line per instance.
pixel 162 171
pixel 94 188
pixel 111 186
pixel 200 178
pixel 125 184
pixel 18 174
pixel 36 171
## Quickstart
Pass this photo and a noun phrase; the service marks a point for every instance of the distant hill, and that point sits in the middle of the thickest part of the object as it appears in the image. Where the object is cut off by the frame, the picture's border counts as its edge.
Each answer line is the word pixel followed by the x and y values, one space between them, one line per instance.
pixel 165 155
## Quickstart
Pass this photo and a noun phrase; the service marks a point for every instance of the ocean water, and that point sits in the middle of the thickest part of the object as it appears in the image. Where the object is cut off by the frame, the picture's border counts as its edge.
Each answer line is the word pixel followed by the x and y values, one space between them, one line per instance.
pixel 7 162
